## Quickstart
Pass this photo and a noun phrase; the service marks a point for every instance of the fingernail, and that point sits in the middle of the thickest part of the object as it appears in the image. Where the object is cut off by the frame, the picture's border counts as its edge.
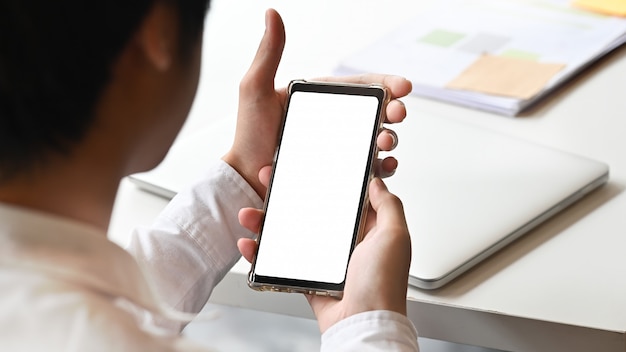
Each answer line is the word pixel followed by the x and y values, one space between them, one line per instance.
pixel 385 174
pixel 394 138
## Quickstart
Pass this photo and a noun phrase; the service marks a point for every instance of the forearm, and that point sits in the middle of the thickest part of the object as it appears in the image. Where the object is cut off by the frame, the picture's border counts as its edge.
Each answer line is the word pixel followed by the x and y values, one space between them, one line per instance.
pixel 193 242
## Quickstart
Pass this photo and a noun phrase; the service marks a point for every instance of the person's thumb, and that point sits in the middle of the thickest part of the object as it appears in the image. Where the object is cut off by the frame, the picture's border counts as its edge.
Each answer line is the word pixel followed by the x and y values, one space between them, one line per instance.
pixel 260 75
pixel 388 207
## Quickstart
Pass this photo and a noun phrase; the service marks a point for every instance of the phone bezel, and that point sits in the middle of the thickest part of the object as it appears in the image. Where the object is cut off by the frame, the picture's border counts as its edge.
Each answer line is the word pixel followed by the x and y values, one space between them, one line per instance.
pixel 278 284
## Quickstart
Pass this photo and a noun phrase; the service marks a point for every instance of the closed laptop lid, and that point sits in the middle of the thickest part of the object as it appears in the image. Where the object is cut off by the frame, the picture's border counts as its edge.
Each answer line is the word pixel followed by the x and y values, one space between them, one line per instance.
pixel 467 191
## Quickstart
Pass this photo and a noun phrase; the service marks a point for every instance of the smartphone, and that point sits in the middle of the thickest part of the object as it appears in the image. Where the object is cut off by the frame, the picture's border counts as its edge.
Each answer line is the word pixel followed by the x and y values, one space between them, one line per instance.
pixel 317 200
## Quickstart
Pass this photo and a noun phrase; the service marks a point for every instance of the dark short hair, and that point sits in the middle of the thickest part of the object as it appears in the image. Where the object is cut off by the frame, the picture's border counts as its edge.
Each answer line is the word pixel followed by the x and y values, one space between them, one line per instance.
pixel 55 60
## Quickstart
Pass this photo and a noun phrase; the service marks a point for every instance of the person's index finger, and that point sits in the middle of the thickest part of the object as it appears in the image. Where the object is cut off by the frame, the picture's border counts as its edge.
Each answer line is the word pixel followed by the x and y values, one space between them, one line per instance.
pixel 398 86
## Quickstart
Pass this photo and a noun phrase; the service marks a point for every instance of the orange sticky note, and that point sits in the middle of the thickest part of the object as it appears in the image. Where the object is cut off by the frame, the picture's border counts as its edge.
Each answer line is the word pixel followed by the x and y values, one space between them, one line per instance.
pixel 506 76
pixel 608 7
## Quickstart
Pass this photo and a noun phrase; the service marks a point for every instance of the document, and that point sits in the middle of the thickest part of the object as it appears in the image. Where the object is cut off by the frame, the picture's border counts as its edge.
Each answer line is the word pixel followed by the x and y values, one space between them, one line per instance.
pixel 499 56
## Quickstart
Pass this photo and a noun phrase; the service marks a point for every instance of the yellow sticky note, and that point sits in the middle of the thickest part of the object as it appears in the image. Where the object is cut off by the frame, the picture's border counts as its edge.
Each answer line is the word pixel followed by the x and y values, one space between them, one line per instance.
pixel 506 76
pixel 608 7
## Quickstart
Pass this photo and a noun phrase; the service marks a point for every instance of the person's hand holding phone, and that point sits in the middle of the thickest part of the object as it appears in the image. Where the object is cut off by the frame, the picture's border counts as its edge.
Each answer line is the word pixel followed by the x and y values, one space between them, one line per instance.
pixel 378 271
pixel 261 108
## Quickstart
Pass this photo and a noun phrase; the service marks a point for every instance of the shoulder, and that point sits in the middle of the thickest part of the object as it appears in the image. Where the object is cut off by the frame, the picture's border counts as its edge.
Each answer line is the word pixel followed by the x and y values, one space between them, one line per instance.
pixel 43 314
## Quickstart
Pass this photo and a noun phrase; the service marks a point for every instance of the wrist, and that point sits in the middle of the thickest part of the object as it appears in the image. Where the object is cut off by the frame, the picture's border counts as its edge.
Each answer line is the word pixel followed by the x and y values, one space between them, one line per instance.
pixel 377 302
pixel 248 171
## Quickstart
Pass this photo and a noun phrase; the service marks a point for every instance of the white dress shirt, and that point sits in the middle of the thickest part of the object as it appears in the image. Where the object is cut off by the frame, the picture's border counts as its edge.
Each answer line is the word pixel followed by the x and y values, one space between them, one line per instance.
pixel 65 287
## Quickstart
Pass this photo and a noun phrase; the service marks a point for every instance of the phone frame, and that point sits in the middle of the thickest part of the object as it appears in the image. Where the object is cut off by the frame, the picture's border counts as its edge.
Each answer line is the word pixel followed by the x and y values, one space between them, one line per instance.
pixel 278 284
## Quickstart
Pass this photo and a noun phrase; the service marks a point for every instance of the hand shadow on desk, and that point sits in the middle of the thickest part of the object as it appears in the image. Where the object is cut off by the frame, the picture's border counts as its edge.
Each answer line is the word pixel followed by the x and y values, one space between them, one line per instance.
pixel 555 226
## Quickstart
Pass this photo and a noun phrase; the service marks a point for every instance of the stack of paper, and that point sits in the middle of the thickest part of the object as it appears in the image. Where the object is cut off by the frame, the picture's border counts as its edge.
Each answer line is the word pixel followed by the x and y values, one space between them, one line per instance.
pixel 495 55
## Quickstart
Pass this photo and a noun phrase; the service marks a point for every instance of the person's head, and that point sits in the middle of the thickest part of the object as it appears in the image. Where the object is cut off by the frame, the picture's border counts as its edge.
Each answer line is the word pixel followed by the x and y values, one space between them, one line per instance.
pixel 63 63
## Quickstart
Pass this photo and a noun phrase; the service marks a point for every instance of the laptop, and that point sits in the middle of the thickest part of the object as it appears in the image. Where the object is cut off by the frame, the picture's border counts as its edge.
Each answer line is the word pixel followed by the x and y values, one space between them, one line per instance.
pixel 467 191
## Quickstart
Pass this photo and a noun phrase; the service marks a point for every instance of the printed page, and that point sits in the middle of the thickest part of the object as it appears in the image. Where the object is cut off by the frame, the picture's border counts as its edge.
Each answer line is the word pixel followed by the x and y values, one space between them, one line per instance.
pixel 439 45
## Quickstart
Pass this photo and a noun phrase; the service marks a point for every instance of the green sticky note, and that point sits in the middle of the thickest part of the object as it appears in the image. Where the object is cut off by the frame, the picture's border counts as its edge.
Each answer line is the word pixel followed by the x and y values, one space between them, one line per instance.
pixel 520 54
pixel 440 37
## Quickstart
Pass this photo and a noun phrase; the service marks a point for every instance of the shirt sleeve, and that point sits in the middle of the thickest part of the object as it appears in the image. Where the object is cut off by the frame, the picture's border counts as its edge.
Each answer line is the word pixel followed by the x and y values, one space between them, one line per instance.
pixel 372 331
pixel 193 242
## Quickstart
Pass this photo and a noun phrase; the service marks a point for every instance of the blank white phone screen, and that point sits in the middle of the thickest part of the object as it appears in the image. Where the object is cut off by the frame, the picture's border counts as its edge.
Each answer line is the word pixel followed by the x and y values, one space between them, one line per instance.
pixel 316 189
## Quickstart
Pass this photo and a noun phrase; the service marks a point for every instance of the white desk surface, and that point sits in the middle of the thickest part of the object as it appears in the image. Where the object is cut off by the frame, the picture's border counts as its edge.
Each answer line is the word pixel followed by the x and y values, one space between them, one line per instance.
pixel 560 288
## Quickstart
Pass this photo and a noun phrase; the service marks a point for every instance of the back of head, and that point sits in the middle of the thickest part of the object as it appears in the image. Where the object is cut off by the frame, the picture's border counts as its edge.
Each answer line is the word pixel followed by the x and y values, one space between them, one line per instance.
pixel 55 59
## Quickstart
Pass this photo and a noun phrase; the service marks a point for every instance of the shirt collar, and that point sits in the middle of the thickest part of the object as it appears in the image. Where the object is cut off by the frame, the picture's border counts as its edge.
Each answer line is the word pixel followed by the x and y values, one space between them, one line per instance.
pixel 78 253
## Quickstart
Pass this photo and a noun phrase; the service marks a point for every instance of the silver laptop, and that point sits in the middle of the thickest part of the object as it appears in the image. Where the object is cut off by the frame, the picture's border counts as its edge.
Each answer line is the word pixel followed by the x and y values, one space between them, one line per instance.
pixel 467 192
